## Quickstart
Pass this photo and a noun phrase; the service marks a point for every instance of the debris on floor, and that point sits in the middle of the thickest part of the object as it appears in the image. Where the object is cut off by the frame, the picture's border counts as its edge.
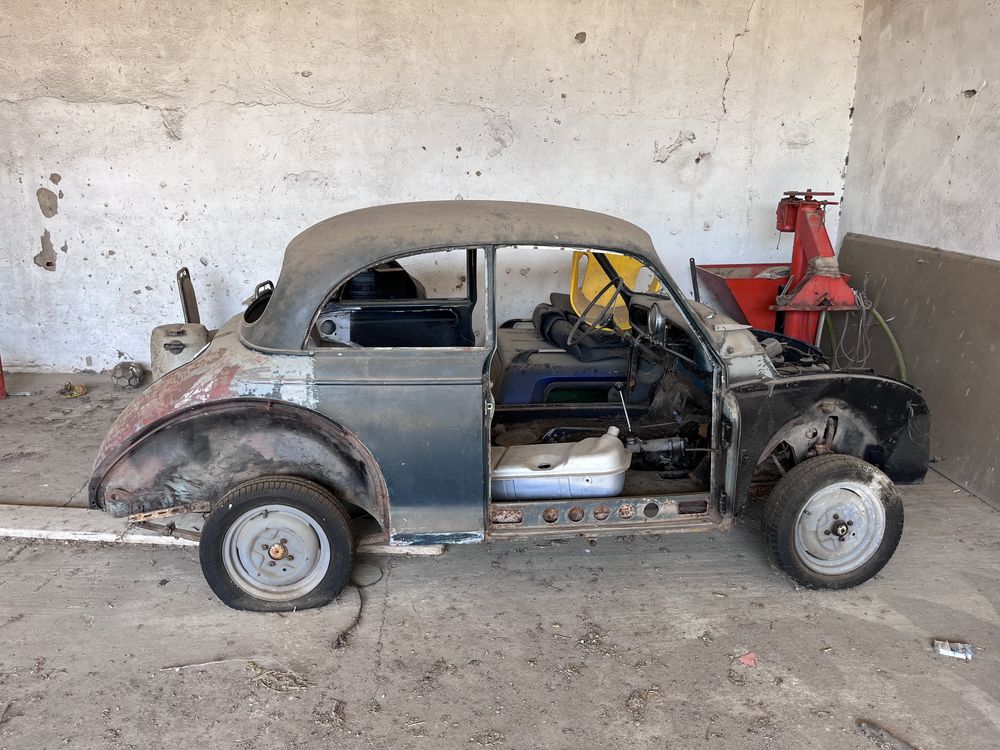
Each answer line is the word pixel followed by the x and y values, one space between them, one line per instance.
pixel 487 739
pixel 882 737
pixel 127 374
pixel 330 716
pixel 279 680
pixel 954 648
pixel 749 659
pixel 637 700
pixel 72 390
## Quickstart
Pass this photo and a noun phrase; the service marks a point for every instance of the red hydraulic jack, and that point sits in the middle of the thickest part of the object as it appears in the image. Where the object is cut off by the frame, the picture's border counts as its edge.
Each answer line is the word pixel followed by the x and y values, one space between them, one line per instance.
pixel 813 283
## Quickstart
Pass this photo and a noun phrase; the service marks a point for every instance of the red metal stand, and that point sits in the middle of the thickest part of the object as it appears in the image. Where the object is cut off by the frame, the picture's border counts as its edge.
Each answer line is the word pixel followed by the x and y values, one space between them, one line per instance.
pixel 3 384
pixel 801 291
pixel 815 283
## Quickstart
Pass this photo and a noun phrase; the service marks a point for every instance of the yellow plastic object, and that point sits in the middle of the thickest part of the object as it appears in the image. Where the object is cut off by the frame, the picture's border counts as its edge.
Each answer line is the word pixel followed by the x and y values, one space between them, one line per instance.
pixel 588 279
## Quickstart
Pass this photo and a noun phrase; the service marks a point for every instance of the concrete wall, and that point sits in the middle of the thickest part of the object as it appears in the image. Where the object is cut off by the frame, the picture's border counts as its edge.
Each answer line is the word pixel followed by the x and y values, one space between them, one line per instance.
pixel 209 134
pixel 923 170
pixel 923 160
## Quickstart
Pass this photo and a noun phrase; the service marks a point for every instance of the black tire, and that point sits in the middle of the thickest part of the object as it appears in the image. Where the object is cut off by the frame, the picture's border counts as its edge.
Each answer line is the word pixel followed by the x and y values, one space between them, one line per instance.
pixel 326 519
pixel 797 488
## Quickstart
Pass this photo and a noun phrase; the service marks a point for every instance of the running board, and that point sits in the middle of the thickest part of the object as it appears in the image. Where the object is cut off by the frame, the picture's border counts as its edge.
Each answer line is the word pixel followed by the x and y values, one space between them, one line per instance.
pixel 588 516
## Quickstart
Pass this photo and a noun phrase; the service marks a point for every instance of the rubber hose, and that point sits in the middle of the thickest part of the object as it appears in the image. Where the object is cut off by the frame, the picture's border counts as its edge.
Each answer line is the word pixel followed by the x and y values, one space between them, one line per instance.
pixel 833 341
pixel 893 343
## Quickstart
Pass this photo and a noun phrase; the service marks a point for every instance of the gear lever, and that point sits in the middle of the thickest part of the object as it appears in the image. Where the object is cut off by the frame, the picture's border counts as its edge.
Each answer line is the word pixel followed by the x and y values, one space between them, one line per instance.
pixel 620 387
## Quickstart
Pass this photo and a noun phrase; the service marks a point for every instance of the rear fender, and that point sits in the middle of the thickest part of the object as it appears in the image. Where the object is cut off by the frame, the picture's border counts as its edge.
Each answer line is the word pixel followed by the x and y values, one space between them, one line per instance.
pixel 200 453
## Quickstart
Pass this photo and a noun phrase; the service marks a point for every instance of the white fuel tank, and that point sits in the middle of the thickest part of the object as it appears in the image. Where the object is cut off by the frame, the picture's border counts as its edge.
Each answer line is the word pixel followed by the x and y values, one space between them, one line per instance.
pixel 592 467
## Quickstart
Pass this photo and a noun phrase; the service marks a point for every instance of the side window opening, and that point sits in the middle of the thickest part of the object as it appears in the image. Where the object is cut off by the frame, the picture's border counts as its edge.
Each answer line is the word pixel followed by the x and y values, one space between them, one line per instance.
pixel 588 340
pixel 574 324
pixel 426 300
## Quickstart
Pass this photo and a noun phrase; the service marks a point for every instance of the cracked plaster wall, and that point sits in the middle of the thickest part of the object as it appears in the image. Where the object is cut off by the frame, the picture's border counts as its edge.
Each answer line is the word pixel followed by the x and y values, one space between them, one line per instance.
pixel 923 171
pixel 923 158
pixel 209 135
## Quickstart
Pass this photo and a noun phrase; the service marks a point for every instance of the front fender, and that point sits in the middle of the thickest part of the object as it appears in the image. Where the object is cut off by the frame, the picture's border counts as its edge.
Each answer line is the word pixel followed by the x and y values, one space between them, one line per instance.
pixel 884 422
pixel 199 453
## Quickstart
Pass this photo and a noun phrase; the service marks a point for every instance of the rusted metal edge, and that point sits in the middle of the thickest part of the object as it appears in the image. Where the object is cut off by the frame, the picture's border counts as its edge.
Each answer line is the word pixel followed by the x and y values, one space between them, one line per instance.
pixel 372 545
pixel 177 510
pixel 169 529
pixel 322 423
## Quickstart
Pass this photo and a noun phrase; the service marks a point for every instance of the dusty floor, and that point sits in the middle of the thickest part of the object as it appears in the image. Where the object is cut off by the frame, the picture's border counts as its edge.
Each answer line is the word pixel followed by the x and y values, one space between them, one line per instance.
pixel 624 642
pixel 47 442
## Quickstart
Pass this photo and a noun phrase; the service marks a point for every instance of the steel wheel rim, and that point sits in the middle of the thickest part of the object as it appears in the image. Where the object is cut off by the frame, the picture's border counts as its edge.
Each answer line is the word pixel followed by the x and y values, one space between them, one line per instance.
pixel 846 505
pixel 276 552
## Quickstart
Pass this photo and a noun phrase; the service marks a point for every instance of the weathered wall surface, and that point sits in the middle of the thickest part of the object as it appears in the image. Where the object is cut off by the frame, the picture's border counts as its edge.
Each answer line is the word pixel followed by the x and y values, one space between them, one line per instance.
pixel 923 170
pixel 208 135
pixel 923 159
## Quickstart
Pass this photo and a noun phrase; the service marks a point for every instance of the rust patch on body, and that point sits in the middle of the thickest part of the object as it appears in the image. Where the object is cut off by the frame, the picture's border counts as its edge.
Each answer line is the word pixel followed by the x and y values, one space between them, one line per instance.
pixel 506 515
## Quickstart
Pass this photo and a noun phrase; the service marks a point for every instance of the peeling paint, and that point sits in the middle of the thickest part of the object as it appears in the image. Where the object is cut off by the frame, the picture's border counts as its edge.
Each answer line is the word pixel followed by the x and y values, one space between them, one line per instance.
pixel 47 257
pixel 798 136
pixel 173 123
pixel 48 203
pixel 663 153
pixel 501 130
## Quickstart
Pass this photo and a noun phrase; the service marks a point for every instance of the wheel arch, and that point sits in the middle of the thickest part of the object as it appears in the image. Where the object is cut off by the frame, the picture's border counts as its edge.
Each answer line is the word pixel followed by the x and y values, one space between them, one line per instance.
pixel 853 434
pixel 881 421
pixel 200 453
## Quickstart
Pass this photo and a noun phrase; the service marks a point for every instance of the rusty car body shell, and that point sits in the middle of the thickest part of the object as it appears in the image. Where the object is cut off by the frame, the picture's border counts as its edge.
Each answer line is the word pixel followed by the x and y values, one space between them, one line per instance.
pixel 402 434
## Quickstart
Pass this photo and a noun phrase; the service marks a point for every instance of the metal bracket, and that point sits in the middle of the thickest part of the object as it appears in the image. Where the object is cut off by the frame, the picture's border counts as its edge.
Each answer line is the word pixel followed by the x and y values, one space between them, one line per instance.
pixel 189 303
pixel 170 529
pixel 176 510
pixel 142 520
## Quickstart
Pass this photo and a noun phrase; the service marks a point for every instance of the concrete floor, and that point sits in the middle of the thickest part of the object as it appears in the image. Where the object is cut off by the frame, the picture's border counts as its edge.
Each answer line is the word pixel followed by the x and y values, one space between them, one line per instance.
pixel 47 442
pixel 631 641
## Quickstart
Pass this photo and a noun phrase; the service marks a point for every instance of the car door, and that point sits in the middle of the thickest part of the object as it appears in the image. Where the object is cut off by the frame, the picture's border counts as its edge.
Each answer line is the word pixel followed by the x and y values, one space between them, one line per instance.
pixel 405 368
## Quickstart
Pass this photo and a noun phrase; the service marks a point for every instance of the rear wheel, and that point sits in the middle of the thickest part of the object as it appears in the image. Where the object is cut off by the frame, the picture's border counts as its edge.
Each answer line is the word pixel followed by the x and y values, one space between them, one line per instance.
pixel 277 544
pixel 833 522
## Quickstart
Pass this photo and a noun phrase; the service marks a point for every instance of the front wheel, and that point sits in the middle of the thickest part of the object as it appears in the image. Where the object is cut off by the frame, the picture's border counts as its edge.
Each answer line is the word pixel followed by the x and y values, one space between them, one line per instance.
pixel 277 544
pixel 833 522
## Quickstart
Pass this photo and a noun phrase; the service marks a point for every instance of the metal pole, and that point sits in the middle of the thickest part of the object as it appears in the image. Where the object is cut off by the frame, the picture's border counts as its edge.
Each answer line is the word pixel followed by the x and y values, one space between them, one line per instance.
pixel 694 281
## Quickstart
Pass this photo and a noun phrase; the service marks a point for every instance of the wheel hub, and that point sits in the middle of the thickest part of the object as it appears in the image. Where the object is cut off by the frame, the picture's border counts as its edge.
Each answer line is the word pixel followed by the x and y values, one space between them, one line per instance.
pixel 276 553
pixel 840 527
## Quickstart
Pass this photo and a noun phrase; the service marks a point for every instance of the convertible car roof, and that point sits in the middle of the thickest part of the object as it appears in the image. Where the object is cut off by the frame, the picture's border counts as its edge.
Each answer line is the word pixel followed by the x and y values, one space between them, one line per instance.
pixel 327 253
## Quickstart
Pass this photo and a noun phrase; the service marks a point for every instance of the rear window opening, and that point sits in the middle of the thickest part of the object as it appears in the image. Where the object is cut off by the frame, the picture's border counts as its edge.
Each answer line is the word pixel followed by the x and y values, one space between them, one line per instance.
pixel 426 300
